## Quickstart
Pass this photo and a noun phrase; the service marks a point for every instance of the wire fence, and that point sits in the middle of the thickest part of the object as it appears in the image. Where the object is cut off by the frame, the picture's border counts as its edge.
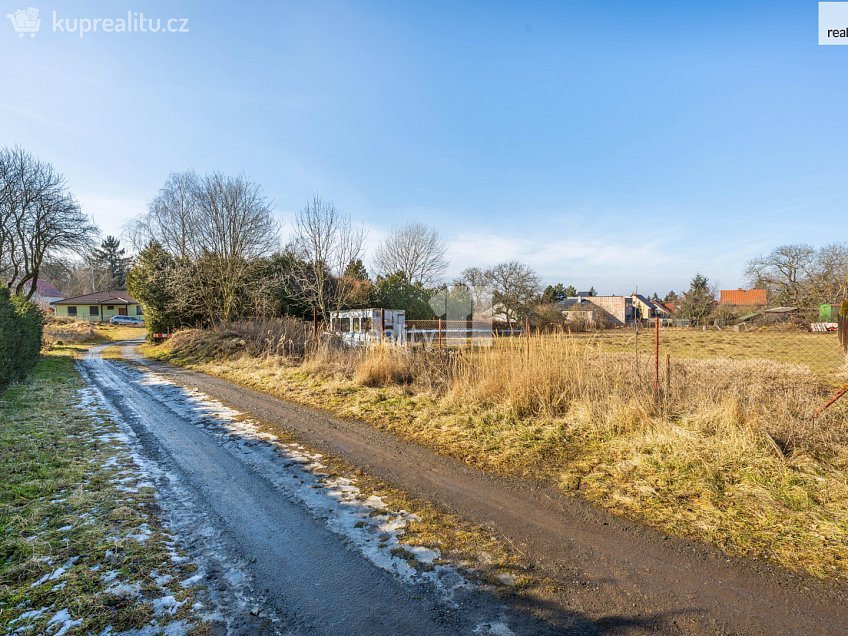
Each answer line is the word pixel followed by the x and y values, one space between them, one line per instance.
pixel 658 351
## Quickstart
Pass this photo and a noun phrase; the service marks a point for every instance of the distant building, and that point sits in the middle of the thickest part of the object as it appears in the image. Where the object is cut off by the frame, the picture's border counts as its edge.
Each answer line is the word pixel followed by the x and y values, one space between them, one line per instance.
pixel 45 294
pixel 363 326
pixel 646 309
pixel 744 297
pixel 608 311
pixel 99 306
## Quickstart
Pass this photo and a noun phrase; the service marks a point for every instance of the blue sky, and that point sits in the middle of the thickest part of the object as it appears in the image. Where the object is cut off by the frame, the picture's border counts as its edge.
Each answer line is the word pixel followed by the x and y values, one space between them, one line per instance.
pixel 612 144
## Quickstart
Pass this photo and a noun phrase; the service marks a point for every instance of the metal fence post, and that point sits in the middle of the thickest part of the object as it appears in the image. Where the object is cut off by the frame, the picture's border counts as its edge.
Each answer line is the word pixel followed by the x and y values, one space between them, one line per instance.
pixel 382 324
pixel 657 357
pixel 527 335
pixel 314 323
pixel 440 335
pixel 667 375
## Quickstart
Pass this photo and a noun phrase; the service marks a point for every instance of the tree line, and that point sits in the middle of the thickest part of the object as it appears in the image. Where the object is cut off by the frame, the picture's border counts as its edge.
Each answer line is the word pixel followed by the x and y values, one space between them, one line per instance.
pixel 209 249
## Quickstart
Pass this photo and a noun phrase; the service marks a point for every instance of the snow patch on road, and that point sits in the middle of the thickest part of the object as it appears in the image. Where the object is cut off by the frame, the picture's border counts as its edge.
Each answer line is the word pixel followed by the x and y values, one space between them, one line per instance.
pixel 365 521
pixel 232 594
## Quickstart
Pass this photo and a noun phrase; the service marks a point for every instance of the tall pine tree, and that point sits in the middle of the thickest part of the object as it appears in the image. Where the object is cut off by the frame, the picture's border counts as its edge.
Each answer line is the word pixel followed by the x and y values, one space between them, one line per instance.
pixel 111 257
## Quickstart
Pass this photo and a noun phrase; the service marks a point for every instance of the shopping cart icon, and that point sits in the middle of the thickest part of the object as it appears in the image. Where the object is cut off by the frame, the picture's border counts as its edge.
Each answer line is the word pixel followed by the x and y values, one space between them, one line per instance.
pixel 25 21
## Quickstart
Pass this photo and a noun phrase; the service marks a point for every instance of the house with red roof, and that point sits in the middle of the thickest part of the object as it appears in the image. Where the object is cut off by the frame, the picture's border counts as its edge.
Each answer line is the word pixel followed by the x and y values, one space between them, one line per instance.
pixel 743 297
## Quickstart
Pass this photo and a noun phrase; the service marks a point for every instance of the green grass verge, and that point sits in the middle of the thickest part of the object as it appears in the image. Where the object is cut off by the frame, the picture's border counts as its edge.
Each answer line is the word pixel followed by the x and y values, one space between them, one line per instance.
pixel 80 536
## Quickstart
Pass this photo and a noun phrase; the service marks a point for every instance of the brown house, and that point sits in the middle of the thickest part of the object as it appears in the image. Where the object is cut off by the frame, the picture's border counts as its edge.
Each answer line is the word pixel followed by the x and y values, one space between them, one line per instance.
pixel 744 297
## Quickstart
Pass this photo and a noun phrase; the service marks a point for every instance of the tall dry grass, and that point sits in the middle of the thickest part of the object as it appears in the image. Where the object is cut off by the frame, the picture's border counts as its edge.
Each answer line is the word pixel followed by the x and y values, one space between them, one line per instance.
pixel 614 392
pixel 726 450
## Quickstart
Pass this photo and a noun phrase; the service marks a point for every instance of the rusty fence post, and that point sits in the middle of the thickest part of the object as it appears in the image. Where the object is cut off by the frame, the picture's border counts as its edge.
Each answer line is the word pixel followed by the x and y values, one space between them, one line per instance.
pixel 314 323
pixel 527 335
pixel 440 335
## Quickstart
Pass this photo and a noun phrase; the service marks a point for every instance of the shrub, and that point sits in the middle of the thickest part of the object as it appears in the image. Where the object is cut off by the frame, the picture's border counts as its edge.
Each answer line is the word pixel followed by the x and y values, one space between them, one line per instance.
pixel 384 366
pixel 21 324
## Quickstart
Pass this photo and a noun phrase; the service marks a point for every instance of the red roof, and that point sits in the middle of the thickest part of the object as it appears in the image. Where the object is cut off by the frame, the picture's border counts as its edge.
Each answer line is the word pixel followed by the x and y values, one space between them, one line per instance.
pixel 746 297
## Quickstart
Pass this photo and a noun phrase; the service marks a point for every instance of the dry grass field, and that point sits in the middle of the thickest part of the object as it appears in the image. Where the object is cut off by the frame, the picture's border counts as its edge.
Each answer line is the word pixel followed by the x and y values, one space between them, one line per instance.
pixel 819 352
pixel 59 331
pixel 728 452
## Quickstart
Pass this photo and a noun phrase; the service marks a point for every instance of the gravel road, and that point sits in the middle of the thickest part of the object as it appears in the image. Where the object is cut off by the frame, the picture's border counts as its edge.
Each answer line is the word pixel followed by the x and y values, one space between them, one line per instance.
pixel 280 550
pixel 616 576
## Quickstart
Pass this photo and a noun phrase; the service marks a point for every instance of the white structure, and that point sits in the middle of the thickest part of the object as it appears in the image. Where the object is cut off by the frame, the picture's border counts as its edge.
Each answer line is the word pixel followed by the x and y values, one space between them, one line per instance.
pixel 364 326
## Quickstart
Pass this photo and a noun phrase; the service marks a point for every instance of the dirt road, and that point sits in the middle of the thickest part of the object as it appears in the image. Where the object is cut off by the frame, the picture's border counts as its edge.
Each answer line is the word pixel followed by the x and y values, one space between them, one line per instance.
pixel 616 576
pixel 291 551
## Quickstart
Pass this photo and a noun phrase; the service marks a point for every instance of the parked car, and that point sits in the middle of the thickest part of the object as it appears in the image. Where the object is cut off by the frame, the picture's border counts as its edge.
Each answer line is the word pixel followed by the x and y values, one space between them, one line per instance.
pixel 133 321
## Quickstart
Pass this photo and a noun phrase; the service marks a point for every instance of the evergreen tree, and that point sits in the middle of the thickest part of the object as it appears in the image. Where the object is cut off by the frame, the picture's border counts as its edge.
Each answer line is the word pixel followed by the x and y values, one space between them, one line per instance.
pixel 356 270
pixel 396 292
pixel 697 303
pixel 111 257
pixel 557 293
pixel 149 282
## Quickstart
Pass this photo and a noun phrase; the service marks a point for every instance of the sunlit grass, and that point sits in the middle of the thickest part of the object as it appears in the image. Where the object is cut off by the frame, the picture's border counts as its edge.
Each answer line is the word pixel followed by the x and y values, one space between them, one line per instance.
pixel 726 452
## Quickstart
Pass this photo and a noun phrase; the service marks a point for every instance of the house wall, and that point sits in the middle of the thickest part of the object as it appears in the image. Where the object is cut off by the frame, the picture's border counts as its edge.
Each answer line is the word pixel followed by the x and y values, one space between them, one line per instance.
pixel 105 312
pixel 614 309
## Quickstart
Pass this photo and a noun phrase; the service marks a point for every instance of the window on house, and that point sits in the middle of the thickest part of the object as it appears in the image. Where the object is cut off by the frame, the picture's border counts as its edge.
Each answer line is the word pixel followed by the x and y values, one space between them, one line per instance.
pixel 93 310
pixel 72 310
pixel 138 310
pixel 110 307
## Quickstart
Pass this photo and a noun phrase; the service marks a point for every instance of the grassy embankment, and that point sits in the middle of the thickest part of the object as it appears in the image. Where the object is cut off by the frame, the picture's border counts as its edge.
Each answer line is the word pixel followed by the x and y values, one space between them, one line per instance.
pixel 80 540
pixel 729 455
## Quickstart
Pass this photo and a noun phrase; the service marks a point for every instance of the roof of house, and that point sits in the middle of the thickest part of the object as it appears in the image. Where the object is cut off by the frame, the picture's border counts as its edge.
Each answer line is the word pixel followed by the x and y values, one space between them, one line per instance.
pixel 46 289
pixel 780 310
pixel 746 297
pixel 656 306
pixel 112 297
pixel 43 288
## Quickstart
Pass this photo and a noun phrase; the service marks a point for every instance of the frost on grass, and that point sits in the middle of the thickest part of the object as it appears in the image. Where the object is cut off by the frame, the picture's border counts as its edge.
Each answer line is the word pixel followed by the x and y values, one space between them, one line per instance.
pixel 102 562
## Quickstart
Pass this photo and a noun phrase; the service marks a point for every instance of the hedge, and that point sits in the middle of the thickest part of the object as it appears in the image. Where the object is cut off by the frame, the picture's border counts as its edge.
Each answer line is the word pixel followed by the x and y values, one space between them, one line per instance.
pixel 21 324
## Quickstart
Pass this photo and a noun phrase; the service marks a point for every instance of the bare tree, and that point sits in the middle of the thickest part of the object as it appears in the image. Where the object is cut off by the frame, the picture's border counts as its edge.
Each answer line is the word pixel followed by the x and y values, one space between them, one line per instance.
pixel 514 286
pixel 214 227
pixel 829 282
pixel 323 245
pixel 236 227
pixel 172 218
pixel 39 220
pixel 414 250
pixel 797 275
